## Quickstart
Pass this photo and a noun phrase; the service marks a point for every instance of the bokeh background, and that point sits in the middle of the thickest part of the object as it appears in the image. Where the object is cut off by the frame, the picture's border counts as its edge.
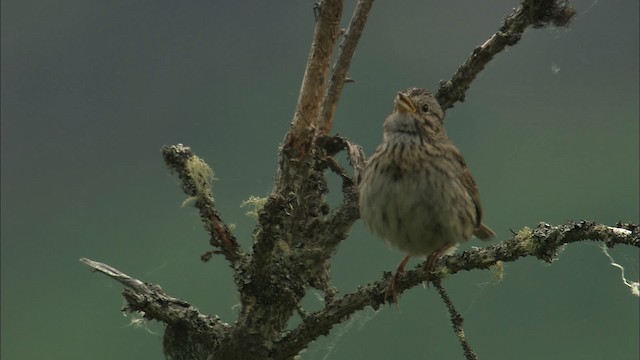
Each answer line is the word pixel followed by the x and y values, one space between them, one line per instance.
pixel 91 90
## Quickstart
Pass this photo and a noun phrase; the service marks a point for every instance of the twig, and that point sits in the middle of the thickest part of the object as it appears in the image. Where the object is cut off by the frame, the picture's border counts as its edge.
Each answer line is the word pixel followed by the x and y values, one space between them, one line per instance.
pixel 197 332
pixel 339 74
pixel 456 320
pixel 195 175
pixel 536 13
pixel 116 274
pixel 151 300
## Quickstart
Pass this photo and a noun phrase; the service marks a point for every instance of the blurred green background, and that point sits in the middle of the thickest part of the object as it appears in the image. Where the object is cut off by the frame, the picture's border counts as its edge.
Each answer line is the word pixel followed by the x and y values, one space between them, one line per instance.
pixel 91 90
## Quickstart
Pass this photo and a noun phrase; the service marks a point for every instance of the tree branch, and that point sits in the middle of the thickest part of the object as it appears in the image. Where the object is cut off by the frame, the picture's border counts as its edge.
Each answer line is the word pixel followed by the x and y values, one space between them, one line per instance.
pixel 542 242
pixel 153 302
pixel 305 119
pixel 339 74
pixel 294 165
pixel 196 178
pixel 200 334
pixel 536 13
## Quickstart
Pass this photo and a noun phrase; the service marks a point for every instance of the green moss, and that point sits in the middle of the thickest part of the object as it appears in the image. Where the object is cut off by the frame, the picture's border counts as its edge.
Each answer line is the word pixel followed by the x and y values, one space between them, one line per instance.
pixel 498 272
pixel 441 271
pixel 283 247
pixel 256 202
pixel 201 174
pixel 525 239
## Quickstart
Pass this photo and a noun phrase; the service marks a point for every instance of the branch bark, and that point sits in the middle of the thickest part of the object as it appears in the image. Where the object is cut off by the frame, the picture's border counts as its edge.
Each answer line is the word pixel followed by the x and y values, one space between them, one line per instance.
pixel 535 13
pixel 339 74
pixel 305 120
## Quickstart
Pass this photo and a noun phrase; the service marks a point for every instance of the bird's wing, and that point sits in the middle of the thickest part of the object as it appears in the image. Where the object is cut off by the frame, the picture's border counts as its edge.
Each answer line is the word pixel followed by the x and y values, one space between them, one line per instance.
pixel 482 231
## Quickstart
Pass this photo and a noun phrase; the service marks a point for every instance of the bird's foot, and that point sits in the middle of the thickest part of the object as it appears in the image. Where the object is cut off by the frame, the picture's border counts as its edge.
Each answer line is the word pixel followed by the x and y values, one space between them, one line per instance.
pixel 430 264
pixel 391 295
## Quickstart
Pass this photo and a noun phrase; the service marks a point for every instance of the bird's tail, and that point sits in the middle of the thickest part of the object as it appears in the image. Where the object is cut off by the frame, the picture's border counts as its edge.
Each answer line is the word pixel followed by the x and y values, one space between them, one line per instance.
pixel 483 232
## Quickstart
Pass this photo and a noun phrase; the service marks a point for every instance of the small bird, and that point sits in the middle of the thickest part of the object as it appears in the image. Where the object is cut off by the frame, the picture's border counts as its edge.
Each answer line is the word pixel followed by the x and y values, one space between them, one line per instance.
pixel 416 191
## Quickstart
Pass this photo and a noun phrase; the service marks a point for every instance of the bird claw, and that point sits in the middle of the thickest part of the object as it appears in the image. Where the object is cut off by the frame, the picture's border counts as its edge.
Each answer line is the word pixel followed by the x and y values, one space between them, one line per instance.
pixel 391 295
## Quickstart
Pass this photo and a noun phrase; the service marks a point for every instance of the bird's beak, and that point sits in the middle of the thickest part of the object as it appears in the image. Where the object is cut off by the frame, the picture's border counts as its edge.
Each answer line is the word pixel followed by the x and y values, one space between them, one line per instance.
pixel 403 103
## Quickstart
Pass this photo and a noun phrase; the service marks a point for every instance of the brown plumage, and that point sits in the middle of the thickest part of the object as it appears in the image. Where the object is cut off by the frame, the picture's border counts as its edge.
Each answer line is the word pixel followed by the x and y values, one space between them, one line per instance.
pixel 417 192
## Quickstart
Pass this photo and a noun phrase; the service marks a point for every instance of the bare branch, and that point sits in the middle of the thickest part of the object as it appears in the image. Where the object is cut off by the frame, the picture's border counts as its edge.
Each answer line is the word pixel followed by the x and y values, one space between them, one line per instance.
pixel 320 323
pixel 543 242
pixel 339 75
pixel 196 175
pixel 314 82
pixel 200 334
pixel 536 13
pixel 116 274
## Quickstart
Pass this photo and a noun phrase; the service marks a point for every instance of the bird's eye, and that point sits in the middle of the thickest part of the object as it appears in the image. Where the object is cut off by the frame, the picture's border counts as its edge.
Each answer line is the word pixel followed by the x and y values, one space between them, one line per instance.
pixel 425 108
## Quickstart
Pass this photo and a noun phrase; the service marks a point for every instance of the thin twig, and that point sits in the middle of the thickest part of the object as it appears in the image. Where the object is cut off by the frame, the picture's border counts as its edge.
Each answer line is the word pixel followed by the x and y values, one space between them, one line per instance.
pixel 339 74
pixel 456 320
pixel 116 274
pixel 536 13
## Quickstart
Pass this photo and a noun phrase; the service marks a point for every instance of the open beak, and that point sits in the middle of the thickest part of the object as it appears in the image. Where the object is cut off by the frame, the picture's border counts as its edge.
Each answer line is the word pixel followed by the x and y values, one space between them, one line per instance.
pixel 403 103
